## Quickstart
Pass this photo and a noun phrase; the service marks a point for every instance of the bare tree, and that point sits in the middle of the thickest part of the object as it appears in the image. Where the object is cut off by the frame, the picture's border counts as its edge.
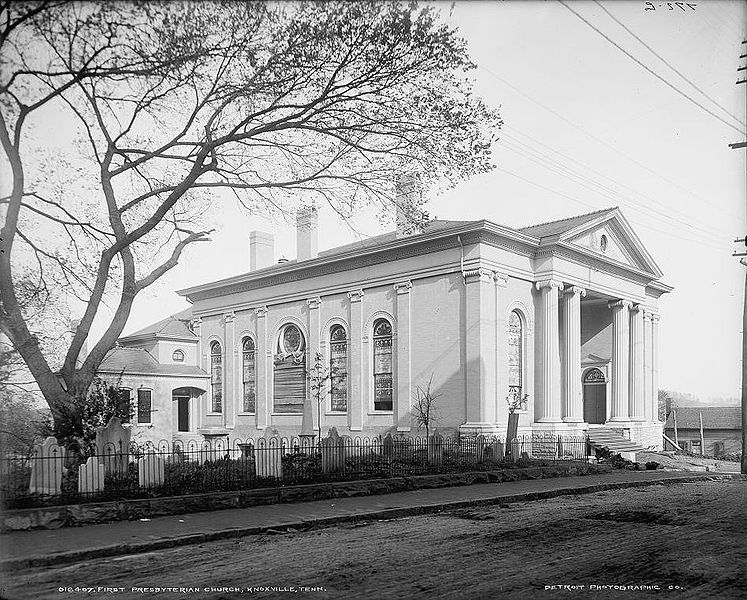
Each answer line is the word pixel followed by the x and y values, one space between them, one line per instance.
pixel 424 409
pixel 168 102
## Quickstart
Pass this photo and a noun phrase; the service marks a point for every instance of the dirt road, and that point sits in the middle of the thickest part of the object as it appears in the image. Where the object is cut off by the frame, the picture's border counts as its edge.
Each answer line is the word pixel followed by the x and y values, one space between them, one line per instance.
pixel 680 541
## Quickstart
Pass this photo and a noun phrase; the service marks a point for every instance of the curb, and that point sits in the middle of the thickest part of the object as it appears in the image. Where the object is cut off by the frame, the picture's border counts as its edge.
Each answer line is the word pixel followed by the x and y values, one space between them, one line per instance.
pixel 392 513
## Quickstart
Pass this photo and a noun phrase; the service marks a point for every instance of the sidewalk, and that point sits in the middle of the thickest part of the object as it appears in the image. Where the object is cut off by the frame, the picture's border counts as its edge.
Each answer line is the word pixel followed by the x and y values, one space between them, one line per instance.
pixel 48 547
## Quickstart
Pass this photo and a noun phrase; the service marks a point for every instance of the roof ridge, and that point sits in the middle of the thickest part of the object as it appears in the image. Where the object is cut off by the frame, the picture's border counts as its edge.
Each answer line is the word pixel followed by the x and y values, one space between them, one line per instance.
pixel 594 212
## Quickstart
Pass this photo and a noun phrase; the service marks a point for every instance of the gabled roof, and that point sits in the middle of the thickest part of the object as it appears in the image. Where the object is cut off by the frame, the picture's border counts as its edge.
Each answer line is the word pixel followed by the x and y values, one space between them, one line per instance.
pixel 714 417
pixel 136 360
pixel 174 326
pixel 564 225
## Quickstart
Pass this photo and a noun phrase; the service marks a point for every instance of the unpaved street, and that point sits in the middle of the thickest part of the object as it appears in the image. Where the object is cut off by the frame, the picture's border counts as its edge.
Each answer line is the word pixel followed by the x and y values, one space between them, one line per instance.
pixel 686 539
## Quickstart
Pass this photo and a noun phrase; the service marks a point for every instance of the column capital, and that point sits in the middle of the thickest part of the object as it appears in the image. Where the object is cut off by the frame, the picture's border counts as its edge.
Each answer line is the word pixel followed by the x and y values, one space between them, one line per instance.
pixel 229 317
pixel 356 295
pixel 620 304
pixel 574 289
pixel 500 279
pixel 655 317
pixel 648 314
pixel 478 274
pixel 313 303
pixel 196 322
pixel 403 287
pixel 260 311
pixel 548 284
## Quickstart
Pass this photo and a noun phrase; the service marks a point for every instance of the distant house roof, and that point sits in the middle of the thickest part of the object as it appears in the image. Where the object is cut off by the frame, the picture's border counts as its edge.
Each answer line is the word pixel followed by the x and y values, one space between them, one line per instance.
pixel 174 326
pixel 562 225
pixel 136 360
pixel 714 417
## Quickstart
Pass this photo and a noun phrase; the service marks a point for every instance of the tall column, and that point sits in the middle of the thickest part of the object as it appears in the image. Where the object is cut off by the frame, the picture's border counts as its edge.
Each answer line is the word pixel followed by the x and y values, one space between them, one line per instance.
pixel 197 406
pixel 480 348
pixel 310 407
pixel 355 403
pixel 548 410
pixel 263 369
pixel 636 401
pixel 655 364
pixel 229 369
pixel 403 398
pixel 648 403
pixel 620 358
pixel 573 403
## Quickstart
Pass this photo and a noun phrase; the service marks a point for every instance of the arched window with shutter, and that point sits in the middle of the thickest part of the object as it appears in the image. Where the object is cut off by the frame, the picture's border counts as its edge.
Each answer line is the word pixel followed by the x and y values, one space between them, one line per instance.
pixel 338 368
pixel 515 357
pixel 249 367
pixel 289 381
pixel 382 362
pixel 216 376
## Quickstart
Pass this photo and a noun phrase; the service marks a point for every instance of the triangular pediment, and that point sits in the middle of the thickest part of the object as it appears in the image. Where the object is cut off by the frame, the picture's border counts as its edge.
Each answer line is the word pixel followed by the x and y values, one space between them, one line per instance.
pixel 612 237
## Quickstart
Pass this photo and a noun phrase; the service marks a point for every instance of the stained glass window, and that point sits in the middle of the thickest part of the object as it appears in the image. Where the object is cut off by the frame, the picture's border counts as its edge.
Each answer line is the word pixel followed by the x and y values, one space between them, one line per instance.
pixel 515 356
pixel 382 365
pixel 216 376
pixel 250 375
pixel 289 380
pixel 144 404
pixel 338 368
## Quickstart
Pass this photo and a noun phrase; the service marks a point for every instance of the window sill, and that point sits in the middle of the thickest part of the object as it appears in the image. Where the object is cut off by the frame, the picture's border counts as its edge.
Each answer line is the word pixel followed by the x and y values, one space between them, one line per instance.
pixel 144 424
pixel 336 413
pixel 247 414
pixel 214 414
pixel 298 414
pixel 380 412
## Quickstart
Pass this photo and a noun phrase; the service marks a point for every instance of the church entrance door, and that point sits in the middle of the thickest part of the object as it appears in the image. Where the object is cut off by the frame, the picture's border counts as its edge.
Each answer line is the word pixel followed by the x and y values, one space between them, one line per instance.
pixel 595 397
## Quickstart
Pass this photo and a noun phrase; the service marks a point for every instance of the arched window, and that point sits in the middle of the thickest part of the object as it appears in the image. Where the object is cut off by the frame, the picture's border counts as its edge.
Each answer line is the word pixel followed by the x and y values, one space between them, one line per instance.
pixel 289 381
pixel 382 359
pixel 216 376
pixel 250 375
pixel 178 356
pixel 338 368
pixel 515 358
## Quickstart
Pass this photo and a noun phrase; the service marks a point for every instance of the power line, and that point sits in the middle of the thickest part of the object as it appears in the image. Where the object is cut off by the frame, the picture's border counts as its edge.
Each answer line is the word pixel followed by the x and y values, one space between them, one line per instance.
pixel 665 61
pixel 654 73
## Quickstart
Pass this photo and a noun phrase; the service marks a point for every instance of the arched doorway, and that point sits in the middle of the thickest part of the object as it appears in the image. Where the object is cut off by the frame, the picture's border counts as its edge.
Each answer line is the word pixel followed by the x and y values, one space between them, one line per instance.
pixel 595 396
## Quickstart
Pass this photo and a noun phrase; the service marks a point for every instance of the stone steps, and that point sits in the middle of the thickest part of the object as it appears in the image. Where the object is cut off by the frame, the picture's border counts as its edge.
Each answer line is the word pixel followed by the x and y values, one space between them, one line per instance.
pixel 611 440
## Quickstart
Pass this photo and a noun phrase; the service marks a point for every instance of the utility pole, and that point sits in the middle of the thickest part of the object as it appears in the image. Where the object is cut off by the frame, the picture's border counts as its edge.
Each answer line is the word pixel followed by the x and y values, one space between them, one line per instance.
pixel 734 146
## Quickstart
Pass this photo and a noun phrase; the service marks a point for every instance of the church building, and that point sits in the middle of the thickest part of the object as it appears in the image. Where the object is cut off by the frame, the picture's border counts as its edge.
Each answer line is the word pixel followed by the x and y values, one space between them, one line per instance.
pixel 560 318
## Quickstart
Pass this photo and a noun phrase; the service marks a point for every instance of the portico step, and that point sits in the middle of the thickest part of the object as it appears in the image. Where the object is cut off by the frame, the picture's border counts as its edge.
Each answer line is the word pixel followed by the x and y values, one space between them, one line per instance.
pixel 614 441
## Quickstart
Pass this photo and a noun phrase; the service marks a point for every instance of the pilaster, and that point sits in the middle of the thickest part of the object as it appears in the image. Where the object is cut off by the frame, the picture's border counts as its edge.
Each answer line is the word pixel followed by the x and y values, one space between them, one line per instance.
pixel 310 408
pixel 480 320
pixel 655 364
pixel 229 370
pixel 355 402
pixel 548 409
pixel 648 403
pixel 264 367
pixel 200 407
pixel 403 398
pixel 620 359
pixel 573 404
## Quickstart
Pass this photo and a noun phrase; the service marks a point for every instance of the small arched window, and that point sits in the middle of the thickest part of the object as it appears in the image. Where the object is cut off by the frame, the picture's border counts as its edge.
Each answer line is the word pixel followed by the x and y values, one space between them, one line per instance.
pixel 216 376
pixel 338 368
pixel 515 358
pixel 382 359
pixel 177 356
pixel 250 375
pixel 289 381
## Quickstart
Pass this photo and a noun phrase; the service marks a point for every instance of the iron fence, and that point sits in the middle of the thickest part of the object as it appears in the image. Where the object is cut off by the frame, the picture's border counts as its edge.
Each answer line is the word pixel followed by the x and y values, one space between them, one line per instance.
pixel 69 476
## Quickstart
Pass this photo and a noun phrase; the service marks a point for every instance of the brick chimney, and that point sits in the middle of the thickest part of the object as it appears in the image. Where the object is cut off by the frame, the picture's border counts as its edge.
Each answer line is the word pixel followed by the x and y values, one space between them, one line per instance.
pixel 261 250
pixel 408 200
pixel 307 232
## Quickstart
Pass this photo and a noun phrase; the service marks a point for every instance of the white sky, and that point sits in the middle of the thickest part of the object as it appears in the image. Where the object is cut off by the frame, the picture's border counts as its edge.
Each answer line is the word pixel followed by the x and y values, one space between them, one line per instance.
pixel 587 128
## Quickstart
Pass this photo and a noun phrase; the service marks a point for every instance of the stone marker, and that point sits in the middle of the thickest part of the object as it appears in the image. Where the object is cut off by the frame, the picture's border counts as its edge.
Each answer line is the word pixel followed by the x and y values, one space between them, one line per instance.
pixel 268 455
pixel 91 476
pixel 436 449
pixel 387 446
pixel 479 448
pixel 333 452
pixel 113 446
pixel 47 468
pixel 150 471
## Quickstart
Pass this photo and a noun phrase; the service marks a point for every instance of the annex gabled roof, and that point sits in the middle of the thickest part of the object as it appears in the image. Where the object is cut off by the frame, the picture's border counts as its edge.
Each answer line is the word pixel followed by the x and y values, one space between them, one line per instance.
pixel 714 417
pixel 172 327
pixel 137 360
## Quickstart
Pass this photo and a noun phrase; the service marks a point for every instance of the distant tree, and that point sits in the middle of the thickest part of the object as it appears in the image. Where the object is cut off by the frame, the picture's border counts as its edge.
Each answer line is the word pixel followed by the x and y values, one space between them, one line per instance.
pixel 425 409
pixel 169 101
